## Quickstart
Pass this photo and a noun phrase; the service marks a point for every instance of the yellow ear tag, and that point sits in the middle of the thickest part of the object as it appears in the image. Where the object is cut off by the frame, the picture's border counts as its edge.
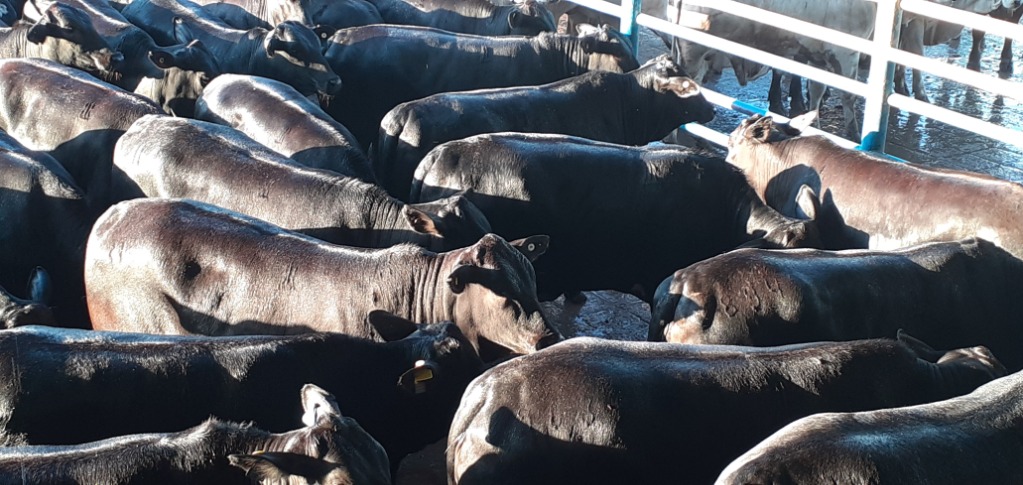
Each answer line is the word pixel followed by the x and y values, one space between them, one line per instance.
pixel 421 373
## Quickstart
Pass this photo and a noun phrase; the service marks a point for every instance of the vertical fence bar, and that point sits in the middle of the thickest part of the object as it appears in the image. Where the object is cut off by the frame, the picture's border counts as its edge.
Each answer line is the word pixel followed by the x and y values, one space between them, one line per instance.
pixel 630 9
pixel 887 25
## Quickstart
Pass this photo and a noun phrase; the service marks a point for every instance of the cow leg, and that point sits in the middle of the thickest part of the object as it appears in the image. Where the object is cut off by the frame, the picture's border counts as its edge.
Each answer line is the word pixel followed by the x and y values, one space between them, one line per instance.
pixel 774 93
pixel 846 62
pixel 918 86
pixel 797 104
pixel 976 50
pixel 1005 66
pixel 911 40
pixel 900 80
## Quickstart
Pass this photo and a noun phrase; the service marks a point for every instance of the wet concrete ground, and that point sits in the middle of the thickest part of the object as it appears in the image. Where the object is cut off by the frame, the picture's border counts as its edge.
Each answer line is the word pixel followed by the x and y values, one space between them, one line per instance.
pixel 913 138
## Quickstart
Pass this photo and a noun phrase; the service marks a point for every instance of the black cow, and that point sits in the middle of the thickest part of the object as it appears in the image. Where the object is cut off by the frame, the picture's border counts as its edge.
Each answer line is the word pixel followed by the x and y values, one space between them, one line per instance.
pixel 968 439
pixel 46 221
pixel 290 52
pixel 952 294
pixel 70 114
pixel 478 17
pixel 220 273
pixel 329 447
pixel 187 69
pixel 74 386
pixel 329 15
pixel 631 109
pixel 221 166
pixel 598 411
pixel 867 201
pixel 386 65
pixel 249 14
pixel 619 216
pixel 64 34
pixel 129 40
pixel 279 117
pixel 35 310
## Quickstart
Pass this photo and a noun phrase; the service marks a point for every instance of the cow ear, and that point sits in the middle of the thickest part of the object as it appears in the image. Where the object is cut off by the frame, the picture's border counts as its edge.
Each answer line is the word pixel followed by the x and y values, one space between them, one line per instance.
pixel 420 378
pixel 420 221
pixel 802 122
pixel 182 33
pixel 514 19
pixel 563 23
pixel 274 42
pixel 163 59
pixel 318 405
pixel 390 326
pixel 40 288
pixel 324 32
pixel 921 349
pixel 807 203
pixel 759 130
pixel 682 86
pixel 583 30
pixel 464 275
pixel 533 246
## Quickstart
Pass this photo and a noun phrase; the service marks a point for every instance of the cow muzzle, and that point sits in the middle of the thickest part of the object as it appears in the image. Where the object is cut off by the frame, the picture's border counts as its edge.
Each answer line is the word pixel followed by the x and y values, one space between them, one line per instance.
pixel 333 86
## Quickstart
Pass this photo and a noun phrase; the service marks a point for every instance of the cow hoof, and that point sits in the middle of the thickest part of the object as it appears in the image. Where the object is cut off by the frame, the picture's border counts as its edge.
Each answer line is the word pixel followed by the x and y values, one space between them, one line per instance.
pixel 575 297
pixel 1005 67
pixel 973 65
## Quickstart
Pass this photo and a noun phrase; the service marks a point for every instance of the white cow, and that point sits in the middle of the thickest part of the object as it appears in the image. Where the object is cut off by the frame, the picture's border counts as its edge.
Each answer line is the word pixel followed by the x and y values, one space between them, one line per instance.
pixel 918 32
pixel 854 17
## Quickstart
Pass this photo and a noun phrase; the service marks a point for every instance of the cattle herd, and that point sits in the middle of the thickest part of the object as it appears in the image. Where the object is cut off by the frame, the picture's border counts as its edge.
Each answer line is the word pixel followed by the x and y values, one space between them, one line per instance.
pixel 222 206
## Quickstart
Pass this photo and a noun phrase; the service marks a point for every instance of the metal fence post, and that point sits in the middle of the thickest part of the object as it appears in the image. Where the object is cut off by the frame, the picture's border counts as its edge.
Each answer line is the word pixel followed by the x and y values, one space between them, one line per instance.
pixel 631 9
pixel 887 26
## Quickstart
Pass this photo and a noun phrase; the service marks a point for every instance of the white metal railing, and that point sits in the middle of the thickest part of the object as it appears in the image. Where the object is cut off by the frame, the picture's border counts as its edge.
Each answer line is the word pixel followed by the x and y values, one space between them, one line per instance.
pixel 882 49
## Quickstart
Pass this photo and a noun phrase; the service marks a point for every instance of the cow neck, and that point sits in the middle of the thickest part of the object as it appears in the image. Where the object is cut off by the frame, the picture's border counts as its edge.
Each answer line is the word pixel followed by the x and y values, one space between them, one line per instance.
pixel 948 380
pixel 563 53
pixel 385 220
pixel 14 41
pixel 431 301
pixel 215 438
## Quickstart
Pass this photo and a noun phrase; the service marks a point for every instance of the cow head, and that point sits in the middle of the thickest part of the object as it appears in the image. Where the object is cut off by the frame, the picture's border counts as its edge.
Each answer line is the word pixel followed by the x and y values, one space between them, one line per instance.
pixel 15 312
pixel 452 222
pixel 528 17
pixel 330 449
pixel 493 294
pixel 297 59
pixel 664 76
pixel 760 130
pixel 67 36
pixel 606 49
pixel 192 57
pixel 444 358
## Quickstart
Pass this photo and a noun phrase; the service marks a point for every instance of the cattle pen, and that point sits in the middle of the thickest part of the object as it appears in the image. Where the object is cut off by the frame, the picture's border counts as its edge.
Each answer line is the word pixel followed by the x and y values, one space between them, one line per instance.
pixel 877 90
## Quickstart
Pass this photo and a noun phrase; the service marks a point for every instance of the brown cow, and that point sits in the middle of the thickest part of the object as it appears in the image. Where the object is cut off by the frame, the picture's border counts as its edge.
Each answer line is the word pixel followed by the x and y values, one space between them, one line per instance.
pixel 868 201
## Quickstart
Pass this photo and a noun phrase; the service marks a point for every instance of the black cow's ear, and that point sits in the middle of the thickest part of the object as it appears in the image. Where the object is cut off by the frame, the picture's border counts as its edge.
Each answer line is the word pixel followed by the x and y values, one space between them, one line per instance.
pixel 682 86
pixel 182 33
pixel 421 378
pixel 514 19
pixel 163 59
pixel 40 288
pixel 390 326
pixel 318 405
pixel 464 275
pixel 324 32
pixel 420 221
pixel 533 246
pixel 921 349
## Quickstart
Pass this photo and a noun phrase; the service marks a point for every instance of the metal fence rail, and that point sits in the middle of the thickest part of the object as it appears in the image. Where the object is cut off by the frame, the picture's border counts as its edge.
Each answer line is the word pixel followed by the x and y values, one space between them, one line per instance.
pixel 883 50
